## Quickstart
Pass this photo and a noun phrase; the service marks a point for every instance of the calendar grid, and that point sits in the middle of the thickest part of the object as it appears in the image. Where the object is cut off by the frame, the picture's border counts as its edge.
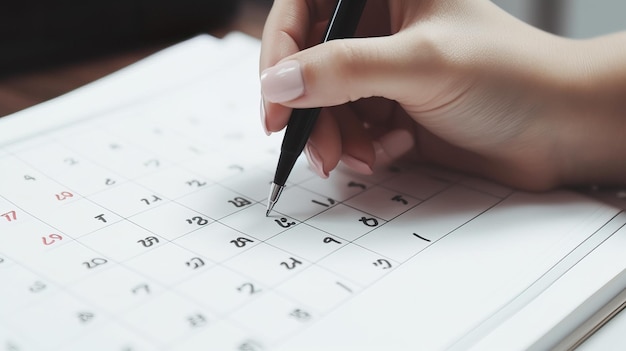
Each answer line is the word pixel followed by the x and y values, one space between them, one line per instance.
pixel 222 220
pixel 125 219
pixel 158 174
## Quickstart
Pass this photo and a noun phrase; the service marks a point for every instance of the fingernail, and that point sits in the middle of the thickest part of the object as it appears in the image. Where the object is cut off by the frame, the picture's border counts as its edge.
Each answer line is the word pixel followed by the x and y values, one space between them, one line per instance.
pixel 356 164
pixel 315 160
pixel 263 120
pixel 394 144
pixel 282 82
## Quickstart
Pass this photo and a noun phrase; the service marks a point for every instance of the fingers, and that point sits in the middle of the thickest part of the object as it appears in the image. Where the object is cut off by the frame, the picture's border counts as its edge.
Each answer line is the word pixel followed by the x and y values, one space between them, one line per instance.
pixel 340 135
pixel 341 71
pixel 323 150
pixel 283 35
pixel 392 145
pixel 288 29
pixel 357 151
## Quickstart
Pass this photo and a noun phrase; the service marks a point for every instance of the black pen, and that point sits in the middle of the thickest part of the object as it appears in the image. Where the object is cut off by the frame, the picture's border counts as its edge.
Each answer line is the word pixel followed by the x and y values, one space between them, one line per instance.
pixel 342 24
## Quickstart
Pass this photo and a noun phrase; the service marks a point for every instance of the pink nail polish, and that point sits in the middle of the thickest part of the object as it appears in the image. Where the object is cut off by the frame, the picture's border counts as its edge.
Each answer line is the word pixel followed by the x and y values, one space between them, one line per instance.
pixel 395 143
pixel 263 120
pixel 282 82
pixel 315 161
pixel 356 164
pixel 381 157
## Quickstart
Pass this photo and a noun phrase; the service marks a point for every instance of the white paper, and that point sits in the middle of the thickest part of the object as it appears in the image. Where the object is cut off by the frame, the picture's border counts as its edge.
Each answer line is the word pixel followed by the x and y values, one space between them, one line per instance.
pixel 133 217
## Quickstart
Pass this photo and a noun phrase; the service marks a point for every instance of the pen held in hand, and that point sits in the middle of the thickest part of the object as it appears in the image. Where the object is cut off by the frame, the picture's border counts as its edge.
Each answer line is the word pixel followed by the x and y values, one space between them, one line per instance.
pixel 342 24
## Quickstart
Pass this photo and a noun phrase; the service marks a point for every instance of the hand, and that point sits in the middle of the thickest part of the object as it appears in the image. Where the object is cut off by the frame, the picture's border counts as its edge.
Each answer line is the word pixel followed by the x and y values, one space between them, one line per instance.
pixel 459 83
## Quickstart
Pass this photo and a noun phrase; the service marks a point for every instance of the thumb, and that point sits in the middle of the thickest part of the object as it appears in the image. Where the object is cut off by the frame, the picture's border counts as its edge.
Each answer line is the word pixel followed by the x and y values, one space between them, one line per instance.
pixel 340 71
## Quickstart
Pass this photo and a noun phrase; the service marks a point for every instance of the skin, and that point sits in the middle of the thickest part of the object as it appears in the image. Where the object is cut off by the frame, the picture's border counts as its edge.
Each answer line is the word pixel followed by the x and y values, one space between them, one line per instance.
pixel 479 91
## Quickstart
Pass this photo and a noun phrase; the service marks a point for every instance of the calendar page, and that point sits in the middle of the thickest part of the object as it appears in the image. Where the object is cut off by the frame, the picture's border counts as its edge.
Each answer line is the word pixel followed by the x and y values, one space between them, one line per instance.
pixel 140 225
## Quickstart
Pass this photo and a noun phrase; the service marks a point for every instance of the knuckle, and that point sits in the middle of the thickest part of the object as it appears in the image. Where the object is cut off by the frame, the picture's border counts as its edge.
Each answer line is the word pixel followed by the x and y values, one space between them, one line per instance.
pixel 438 49
pixel 349 67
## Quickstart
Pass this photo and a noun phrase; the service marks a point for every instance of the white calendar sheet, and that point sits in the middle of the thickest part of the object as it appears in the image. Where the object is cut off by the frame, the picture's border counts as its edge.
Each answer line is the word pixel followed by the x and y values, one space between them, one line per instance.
pixel 132 217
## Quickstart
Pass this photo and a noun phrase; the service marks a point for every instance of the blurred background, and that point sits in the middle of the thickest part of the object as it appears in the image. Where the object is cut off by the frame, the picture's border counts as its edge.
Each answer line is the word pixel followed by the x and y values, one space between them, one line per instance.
pixel 50 47
pixel 35 34
pixel 570 18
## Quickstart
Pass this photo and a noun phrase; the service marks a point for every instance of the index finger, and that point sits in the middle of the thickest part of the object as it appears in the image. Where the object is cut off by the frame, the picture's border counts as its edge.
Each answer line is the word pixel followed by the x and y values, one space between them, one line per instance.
pixel 288 28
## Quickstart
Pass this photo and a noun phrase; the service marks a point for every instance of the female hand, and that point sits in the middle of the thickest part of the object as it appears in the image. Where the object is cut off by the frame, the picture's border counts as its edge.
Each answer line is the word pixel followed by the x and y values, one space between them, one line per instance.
pixel 459 83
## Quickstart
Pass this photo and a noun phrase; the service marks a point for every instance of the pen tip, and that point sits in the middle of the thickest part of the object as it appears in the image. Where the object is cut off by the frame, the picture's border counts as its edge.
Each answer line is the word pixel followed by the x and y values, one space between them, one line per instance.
pixel 270 207
pixel 275 191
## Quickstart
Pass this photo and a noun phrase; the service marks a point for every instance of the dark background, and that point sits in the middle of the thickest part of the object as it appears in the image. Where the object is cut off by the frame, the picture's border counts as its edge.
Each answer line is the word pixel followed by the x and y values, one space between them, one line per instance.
pixel 36 34
pixel 50 47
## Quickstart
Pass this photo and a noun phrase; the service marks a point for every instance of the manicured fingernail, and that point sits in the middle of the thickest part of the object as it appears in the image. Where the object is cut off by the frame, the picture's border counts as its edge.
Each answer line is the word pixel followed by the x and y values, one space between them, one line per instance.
pixel 356 164
pixel 263 120
pixel 282 82
pixel 395 143
pixel 315 160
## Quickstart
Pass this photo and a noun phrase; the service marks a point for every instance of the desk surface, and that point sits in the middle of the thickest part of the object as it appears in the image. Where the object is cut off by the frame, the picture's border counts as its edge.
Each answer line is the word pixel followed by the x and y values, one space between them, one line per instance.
pixel 24 90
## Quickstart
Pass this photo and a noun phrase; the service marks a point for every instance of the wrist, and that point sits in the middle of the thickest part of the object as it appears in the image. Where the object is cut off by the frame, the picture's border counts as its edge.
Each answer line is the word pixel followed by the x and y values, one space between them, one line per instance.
pixel 591 120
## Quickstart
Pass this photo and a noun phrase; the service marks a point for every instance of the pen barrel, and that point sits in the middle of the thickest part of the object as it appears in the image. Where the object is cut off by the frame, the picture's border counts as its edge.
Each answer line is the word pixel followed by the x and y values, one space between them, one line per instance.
pixel 344 20
pixel 342 24
pixel 300 126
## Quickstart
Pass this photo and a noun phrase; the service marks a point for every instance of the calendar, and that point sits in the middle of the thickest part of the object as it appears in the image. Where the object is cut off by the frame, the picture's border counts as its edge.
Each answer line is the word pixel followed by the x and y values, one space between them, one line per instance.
pixel 141 226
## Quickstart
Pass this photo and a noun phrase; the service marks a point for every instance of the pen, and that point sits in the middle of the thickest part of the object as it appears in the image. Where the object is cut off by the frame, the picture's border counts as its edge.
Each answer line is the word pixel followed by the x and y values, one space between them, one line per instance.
pixel 342 24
